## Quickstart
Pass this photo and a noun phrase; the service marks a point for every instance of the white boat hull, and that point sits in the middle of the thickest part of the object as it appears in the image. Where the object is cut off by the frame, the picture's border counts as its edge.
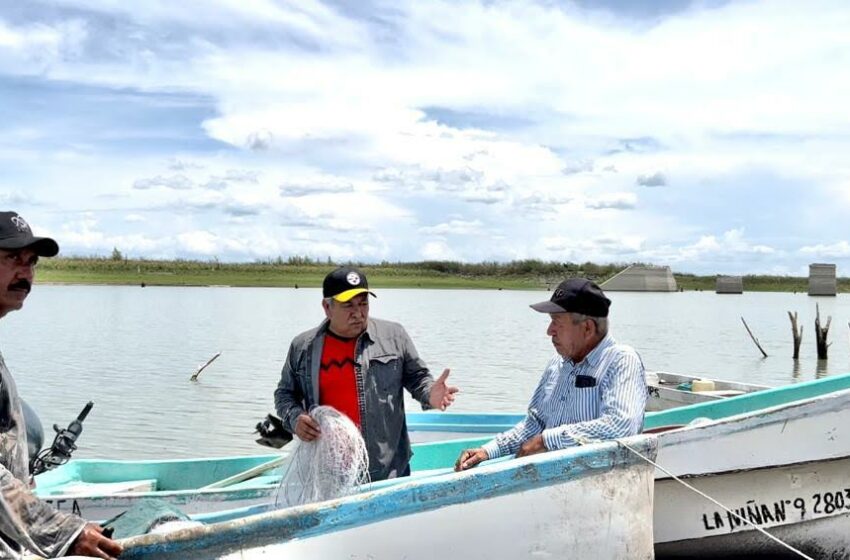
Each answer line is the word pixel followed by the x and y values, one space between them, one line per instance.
pixel 807 506
pixel 593 502
pixel 570 519
pixel 785 468
pixel 805 430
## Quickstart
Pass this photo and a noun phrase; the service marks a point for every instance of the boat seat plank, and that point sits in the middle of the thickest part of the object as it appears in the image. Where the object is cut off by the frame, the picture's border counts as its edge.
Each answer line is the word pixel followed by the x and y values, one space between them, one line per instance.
pixel 257 482
pixel 722 393
pixel 106 488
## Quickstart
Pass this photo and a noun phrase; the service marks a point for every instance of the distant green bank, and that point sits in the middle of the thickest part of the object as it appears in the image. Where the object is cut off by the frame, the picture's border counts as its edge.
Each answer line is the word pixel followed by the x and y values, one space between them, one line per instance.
pixel 304 273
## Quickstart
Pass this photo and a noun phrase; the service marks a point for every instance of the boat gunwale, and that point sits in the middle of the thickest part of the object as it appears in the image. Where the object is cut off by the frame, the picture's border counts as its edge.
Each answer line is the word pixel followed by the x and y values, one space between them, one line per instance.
pixel 406 498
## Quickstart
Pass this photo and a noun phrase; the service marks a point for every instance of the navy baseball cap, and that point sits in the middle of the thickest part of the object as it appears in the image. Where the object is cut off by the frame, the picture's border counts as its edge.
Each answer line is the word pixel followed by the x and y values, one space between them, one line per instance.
pixel 15 233
pixel 576 295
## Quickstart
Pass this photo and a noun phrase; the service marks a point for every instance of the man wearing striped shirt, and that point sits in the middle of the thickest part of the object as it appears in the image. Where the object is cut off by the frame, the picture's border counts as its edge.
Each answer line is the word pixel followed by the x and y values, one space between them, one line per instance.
pixel 592 389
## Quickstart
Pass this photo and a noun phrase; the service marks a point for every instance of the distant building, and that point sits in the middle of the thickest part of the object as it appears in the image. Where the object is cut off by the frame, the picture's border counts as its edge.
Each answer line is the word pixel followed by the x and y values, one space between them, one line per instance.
pixel 642 279
pixel 822 280
pixel 729 285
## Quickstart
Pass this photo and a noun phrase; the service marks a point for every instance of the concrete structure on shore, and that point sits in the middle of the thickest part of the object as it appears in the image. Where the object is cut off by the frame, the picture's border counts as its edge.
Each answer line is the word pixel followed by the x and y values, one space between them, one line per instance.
pixel 729 285
pixel 642 279
pixel 822 280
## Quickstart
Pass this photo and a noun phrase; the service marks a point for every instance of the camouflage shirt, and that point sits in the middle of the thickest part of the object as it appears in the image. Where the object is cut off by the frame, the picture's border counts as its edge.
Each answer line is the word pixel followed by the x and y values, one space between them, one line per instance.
pixel 25 521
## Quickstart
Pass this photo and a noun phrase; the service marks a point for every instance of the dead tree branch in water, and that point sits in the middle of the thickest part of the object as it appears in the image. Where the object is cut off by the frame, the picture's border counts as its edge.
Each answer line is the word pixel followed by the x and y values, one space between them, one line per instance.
pixel 754 338
pixel 821 334
pixel 798 334
pixel 201 368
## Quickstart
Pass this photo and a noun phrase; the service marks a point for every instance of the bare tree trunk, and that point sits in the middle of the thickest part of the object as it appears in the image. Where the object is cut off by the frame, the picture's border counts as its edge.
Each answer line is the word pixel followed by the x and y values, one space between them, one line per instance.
pixel 763 353
pixel 798 334
pixel 821 334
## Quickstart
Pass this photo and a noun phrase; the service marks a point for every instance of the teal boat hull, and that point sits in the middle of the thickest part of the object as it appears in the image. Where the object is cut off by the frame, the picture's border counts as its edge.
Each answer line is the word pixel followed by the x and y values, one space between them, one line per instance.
pixel 81 486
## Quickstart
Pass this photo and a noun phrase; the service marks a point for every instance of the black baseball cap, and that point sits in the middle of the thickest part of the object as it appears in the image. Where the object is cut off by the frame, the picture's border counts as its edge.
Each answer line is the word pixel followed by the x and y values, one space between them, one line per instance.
pixel 15 233
pixel 344 283
pixel 576 295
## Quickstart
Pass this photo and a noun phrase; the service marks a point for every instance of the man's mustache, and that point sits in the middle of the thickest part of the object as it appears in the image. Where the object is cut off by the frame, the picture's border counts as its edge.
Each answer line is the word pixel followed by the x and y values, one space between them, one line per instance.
pixel 22 284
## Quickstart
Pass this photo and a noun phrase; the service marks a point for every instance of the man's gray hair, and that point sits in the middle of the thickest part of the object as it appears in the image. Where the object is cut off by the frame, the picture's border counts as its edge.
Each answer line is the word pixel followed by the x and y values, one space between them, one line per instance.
pixel 600 322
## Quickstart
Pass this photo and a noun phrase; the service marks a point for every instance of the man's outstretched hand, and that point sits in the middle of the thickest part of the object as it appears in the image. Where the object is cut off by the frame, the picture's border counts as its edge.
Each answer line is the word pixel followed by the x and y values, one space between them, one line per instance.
pixel 91 542
pixel 442 395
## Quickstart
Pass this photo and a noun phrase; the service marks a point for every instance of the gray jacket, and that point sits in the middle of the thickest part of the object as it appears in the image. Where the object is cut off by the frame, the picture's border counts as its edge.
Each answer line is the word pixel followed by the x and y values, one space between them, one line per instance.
pixel 25 521
pixel 385 362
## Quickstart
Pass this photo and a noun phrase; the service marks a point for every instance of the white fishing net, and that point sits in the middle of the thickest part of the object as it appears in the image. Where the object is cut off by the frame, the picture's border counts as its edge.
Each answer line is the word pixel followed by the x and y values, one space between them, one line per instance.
pixel 331 466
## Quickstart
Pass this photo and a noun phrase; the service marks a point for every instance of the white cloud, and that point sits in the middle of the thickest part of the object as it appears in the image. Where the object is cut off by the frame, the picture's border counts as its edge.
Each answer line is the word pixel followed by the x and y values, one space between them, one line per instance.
pixel 615 201
pixel 453 227
pixel 313 188
pixel 839 249
pixel 617 249
pixel 176 182
pixel 36 48
pixel 313 123
pixel 12 198
pixel 731 242
pixel 657 179
pixel 177 164
pixel 200 242
pixel 438 251
pixel 84 237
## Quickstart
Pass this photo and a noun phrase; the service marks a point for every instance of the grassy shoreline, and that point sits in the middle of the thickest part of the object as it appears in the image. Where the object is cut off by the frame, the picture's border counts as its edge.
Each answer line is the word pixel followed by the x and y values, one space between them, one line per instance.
pixel 302 273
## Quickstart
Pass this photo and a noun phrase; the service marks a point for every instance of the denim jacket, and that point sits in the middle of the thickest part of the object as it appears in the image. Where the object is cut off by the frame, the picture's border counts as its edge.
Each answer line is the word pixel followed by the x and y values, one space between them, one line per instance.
pixel 385 363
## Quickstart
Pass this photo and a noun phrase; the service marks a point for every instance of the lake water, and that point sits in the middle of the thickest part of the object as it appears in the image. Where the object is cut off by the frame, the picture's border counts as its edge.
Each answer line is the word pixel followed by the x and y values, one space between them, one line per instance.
pixel 132 351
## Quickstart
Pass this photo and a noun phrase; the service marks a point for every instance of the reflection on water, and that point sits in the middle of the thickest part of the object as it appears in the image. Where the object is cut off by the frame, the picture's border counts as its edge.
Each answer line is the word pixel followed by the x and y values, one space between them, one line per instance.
pixel 132 351
pixel 796 370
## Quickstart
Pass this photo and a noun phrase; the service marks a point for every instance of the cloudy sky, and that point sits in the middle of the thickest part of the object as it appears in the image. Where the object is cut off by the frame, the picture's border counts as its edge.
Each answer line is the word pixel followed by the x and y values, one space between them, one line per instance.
pixel 710 136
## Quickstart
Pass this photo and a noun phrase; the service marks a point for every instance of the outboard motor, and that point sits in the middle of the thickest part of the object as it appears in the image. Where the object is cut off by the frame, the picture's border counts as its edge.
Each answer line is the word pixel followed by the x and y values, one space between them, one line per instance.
pixel 63 445
pixel 272 432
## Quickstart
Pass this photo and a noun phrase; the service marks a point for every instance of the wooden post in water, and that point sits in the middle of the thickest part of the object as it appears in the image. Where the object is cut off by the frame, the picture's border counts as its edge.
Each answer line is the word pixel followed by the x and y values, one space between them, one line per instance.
pixel 754 338
pixel 821 334
pixel 798 334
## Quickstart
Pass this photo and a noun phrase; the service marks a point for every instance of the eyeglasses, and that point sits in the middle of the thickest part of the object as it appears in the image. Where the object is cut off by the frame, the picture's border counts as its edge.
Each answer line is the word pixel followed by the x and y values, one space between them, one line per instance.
pixel 15 259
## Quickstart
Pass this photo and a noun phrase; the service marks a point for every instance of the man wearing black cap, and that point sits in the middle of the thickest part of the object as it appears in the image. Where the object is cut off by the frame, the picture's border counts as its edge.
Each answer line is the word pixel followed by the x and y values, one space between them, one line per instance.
pixel 592 389
pixel 359 366
pixel 25 521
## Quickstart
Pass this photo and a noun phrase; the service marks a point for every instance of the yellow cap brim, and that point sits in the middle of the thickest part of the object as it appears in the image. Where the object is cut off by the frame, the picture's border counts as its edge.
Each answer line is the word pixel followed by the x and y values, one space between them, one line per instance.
pixel 348 294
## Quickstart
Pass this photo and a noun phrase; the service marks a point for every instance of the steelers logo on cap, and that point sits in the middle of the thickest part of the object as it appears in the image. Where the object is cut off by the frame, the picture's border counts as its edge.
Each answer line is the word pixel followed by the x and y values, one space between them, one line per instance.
pixel 353 278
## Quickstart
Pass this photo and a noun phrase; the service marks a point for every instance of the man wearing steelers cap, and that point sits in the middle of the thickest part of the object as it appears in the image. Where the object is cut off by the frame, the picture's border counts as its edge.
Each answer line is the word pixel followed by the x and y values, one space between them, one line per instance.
pixel 359 366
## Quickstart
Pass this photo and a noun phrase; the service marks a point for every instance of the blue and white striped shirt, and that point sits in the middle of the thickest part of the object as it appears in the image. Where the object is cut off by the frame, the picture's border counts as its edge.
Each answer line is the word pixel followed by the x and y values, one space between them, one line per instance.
pixel 566 414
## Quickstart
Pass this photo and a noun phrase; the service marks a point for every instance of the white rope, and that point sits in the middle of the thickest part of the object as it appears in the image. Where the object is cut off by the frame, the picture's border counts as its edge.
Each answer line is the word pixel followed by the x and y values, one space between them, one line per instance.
pixel 715 502
pixel 331 466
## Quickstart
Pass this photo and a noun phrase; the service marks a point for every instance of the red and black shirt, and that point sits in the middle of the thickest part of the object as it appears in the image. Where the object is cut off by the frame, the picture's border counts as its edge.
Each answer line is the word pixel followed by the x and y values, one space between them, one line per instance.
pixel 337 380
